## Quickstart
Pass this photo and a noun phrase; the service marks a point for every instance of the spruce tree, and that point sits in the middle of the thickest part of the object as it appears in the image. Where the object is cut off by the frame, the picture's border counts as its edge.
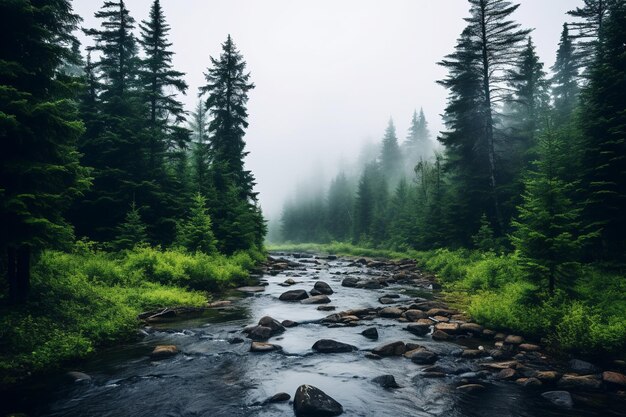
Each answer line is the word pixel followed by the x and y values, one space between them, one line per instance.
pixel 40 173
pixel 339 208
pixel 603 128
pixel 587 32
pixel 200 150
pixel 545 235
pixel 390 155
pixel 564 85
pixel 132 231
pixel 418 145
pixel 238 220
pixel 196 232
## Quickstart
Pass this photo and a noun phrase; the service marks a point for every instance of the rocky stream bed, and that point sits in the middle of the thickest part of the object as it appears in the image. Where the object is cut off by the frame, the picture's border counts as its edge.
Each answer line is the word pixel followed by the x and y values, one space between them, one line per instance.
pixel 324 336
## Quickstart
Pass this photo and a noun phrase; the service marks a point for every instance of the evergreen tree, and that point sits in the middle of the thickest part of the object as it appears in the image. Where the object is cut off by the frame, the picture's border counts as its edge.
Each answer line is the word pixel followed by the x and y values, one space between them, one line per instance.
pixel 588 31
pixel 564 85
pixel 196 232
pixel 390 156
pixel 418 144
pixel 545 231
pixel 200 152
pixel 132 231
pixel 339 208
pixel 40 172
pixel 116 150
pixel 603 126
pixel 234 208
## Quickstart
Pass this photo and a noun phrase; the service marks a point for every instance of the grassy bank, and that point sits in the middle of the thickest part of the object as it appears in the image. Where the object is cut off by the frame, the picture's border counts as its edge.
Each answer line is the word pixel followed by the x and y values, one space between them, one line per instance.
pixel 88 298
pixel 587 317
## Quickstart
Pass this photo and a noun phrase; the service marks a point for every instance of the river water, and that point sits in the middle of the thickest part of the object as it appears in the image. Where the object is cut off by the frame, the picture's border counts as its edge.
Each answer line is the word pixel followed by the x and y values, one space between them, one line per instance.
pixel 214 378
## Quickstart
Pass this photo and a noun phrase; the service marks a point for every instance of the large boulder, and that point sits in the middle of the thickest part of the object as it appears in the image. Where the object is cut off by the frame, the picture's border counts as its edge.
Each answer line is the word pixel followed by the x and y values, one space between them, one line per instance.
pixel 260 333
pixel 390 349
pixel 559 398
pixel 422 356
pixel 582 367
pixel 275 326
pixel 583 382
pixel 316 299
pixel 418 329
pixel 332 346
pixel 323 288
pixel 310 401
pixel 614 378
pixel 293 295
pixel 414 315
pixel 370 333
pixel 390 312
pixel 450 328
pixel 350 282
pixel 386 381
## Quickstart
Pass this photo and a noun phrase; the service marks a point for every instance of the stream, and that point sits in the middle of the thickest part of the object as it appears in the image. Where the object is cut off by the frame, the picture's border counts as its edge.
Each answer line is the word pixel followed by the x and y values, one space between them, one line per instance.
pixel 216 375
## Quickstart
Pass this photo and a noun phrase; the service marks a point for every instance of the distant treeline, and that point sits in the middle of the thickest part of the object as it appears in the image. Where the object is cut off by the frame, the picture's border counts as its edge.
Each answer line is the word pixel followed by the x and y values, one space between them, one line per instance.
pixel 530 162
pixel 99 146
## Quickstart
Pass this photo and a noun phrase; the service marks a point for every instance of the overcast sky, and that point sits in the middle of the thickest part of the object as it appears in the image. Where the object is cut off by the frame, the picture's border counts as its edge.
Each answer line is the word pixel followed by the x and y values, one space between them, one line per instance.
pixel 328 73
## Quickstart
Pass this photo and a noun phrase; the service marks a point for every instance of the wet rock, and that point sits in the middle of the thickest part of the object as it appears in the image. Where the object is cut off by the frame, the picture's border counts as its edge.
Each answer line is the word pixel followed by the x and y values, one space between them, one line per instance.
pixel 473 328
pixel 472 353
pixel 275 326
pixel 370 333
pixel 317 299
pixel 441 319
pixel 390 349
pixel 440 335
pixel 349 282
pixel 289 323
pixel 326 308
pixel 281 397
pixel 371 284
pixel 314 292
pixel 235 340
pixel 423 356
pixel 501 365
pixel 428 305
pixel 432 374
pixel 310 401
pixel 386 381
pixel 370 355
pixel 386 300
pixel 499 354
pixel 506 374
pixel 260 333
pixel 323 288
pixel 513 340
pixel 488 333
pixel 470 388
pixel 332 318
pixel 559 398
pixel 163 352
pixel 439 312
pixel 293 295
pixel 529 347
pixel 499 337
pixel 289 281
pixel 78 377
pixel 390 312
pixel 582 367
pixel 412 346
pixel 614 378
pixel 532 382
pixel 263 347
pixel 450 328
pixel 219 304
pixel 418 329
pixel 332 346
pixel 415 315
pixel 572 381
pixel 547 376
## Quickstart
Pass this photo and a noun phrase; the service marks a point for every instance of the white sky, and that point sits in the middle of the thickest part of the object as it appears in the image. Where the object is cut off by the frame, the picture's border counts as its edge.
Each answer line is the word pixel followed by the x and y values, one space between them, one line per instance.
pixel 328 73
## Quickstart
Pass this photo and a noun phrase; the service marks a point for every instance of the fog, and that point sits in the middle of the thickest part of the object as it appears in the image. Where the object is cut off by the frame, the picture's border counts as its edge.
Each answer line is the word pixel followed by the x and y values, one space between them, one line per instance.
pixel 328 73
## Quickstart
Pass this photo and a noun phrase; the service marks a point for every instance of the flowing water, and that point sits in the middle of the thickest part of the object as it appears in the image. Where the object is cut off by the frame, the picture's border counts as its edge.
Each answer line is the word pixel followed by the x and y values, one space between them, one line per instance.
pixel 213 378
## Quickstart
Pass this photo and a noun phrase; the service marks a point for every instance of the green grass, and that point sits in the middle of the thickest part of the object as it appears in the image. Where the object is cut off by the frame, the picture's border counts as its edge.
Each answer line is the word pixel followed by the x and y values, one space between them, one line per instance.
pixel 339 248
pixel 88 298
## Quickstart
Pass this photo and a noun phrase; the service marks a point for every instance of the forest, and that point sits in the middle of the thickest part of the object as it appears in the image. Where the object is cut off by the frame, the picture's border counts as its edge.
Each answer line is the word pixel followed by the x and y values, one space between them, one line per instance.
pixel 519 203
pixel 116 200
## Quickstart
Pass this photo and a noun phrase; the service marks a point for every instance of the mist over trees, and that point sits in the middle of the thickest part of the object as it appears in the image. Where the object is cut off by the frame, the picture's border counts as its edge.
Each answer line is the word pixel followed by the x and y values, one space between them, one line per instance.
pixel 531 161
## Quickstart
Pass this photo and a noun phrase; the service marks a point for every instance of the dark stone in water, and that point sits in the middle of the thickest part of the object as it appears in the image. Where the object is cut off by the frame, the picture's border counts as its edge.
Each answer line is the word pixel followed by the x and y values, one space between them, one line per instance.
pixel 559 398
pixel 281 397
pixel 418 329
pixel 390 349
pixel 370 333
pixel 423 357
pixel 289 323
pixel 350 282
pixel 260 333
pixel 317 299
pixel 293 295
pixel 326 308
pixel 314 292
pixel 275 326
pixel 332 346
pixel 582 367
pixel 80 377
pixel 310 401
pixel 323 288
pixel 386 381
pixel 236 340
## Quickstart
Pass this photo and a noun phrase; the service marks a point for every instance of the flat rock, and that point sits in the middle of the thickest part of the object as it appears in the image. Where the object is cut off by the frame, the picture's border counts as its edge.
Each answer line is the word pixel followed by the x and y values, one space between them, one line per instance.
pixel 310 401
pixel 316 299
pixel 164 351
pixel 326 308
pixel 370 333
pixel 254 289
pixel 547 376
pixel 615 378
pixel 513 340
pixel 332 346
pixel 415 315
pixel 293 295
pixel 219 304
pixel 529 347
pixel 349 282
pixel 263 347
pixel 473 328
pixel 579 382
pixel 386 381
pixel 559 398
pixel 418 329
pixel 423 357
pixel 506 374
pixel 440 335
pixel 451 328
pixel 472 353
pixel 390 349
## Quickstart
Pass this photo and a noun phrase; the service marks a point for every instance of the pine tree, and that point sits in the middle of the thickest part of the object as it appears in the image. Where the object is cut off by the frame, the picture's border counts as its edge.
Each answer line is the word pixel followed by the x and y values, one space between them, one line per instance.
pixel 603 127
pixel 132 231
pixel 196 232
pixel 339 208
pixel 587 33
pixel 418 145
pixel 234 207
pixel 390 155
pixel 564 85
pixel 40 172
pixel 545 235
pixel 200 152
